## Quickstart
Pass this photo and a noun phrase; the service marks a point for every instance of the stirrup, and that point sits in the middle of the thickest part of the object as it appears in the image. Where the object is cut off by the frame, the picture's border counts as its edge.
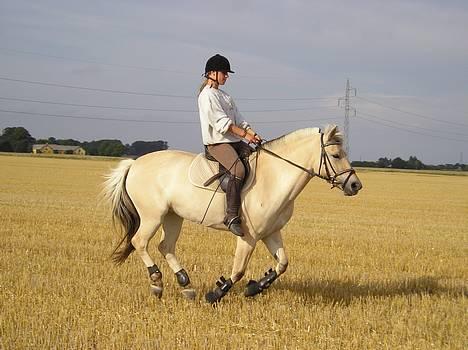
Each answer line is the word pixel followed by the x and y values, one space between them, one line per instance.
pixel 234 225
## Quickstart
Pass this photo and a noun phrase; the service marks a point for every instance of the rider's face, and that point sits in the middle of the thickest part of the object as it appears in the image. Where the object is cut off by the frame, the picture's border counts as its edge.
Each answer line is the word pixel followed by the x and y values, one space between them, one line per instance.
pixel 222 77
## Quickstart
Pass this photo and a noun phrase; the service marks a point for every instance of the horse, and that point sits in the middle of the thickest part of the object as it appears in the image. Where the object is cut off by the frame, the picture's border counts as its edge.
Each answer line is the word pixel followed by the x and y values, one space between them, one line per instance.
pixel 154 190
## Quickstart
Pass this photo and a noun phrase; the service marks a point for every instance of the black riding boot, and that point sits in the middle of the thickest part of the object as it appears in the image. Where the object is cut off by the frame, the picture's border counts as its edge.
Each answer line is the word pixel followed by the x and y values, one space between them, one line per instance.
pixel 233 196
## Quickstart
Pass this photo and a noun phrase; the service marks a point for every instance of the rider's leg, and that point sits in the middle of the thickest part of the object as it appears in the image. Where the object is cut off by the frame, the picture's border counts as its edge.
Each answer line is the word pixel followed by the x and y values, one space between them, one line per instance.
pixel 227 156
pixel 233 196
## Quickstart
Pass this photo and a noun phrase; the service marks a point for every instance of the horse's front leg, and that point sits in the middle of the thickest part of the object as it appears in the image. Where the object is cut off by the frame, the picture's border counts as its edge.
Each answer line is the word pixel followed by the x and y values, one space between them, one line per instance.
pixel 244 250
pixel 274 243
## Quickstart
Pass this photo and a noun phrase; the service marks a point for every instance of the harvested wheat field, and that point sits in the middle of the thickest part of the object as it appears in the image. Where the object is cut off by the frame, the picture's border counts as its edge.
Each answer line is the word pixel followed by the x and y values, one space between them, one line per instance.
pixel 386 269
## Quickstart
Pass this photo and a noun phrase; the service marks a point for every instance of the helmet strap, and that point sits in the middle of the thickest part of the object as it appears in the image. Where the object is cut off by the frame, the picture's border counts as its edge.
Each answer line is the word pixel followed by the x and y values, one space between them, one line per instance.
pixel 214 80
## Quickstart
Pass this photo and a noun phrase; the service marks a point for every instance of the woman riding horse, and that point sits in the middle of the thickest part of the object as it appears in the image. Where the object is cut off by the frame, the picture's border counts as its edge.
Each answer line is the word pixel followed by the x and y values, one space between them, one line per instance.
pixel 154 190
pixel 223 129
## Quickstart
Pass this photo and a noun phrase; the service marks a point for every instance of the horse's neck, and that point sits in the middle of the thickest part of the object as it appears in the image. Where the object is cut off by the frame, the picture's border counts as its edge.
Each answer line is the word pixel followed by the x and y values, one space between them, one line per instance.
pixel 285 181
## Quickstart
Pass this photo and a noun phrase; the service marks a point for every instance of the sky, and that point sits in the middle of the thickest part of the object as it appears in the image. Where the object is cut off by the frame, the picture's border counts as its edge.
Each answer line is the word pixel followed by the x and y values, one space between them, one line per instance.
pixel 130 70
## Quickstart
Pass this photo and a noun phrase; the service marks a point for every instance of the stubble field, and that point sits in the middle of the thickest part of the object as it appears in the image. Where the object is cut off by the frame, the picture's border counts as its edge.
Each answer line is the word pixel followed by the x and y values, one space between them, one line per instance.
pixel 386 269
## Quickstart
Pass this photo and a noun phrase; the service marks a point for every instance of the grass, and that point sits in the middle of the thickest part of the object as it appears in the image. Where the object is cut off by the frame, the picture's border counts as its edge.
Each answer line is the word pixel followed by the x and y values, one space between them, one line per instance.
pixel 386 269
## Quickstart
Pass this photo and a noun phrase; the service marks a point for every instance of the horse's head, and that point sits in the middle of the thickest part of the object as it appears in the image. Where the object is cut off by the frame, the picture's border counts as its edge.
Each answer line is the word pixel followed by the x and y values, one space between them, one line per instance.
pixel 334 165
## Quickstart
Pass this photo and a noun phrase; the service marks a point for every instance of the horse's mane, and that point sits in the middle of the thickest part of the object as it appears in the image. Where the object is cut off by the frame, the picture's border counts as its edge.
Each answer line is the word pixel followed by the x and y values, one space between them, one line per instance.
pixel 291 136
pixel 337 137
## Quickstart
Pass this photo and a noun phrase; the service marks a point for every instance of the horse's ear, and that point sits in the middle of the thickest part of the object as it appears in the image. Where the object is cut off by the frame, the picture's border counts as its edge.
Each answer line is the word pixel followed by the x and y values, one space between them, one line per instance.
pixel 330 132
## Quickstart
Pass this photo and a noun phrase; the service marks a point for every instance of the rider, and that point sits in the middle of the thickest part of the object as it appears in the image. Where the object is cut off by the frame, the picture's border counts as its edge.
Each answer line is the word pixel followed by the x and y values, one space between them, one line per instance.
pixel 223 130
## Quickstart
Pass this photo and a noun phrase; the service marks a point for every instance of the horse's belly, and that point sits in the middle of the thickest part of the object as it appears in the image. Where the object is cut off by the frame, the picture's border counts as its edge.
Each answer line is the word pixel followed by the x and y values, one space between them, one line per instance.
pixel 198 205
pixel 263 223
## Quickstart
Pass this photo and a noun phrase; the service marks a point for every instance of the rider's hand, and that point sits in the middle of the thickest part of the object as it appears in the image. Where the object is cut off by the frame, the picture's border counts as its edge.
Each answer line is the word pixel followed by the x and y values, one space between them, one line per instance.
pixel 258 138
pixel 253 138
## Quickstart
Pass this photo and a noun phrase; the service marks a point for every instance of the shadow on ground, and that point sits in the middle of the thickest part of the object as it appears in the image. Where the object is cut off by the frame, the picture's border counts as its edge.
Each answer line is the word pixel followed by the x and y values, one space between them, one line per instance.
pixel 343 292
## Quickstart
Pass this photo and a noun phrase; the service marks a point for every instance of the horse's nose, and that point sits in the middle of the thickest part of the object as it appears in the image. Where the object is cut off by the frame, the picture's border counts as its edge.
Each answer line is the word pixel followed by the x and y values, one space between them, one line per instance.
pixel 356 186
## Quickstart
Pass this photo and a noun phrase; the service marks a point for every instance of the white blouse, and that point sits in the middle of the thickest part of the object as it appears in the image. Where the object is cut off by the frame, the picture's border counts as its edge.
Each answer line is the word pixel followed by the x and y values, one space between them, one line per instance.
pixel 217 112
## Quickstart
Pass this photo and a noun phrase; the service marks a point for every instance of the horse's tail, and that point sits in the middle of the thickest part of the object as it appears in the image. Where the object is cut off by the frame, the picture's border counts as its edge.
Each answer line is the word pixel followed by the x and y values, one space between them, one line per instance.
pixel 124 214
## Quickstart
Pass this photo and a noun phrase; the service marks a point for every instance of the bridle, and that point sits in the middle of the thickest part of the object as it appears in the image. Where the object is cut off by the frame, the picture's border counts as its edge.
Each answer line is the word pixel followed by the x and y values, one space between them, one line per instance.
pixel 325 160
pixel 332 174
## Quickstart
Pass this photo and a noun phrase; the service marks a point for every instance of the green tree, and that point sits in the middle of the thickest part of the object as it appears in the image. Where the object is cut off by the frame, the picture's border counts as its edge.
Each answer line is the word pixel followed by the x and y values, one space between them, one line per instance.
pixel 19 139
pixel 399 163
pixel 384 162
pixel 415 163
pixel 112 148
pixel 5 146
pixel 139 148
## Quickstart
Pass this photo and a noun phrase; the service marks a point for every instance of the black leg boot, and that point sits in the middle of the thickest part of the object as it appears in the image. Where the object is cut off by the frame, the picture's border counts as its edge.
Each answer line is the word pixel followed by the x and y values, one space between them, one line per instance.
pixel 233 196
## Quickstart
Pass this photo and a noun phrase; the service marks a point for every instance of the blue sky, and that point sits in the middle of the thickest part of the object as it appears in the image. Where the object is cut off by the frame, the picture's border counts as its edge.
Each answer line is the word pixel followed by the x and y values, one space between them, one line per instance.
pixel 408 61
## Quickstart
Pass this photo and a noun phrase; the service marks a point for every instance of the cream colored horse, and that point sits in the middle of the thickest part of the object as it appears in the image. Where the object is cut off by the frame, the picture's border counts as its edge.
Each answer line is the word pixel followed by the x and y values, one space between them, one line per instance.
pixel 154 190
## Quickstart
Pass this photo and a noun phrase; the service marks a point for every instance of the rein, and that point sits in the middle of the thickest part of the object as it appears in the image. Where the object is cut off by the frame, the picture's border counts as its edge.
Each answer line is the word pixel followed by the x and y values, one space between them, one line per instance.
pixel 310 172
pixel 325 161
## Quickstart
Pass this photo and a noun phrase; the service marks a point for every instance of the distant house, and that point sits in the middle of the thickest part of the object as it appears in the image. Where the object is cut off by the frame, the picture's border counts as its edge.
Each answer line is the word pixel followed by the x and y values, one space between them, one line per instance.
pixel 58 149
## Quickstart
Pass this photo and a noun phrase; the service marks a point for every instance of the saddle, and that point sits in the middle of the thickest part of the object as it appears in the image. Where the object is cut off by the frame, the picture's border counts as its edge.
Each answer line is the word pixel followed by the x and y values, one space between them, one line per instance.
pixel 207 173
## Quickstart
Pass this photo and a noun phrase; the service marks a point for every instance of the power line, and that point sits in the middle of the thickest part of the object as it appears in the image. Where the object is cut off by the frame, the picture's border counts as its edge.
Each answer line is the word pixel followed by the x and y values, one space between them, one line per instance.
pixel 93 61
pixel 155 94
pixel 414 126
pixel 96 106
pixel 152 109
pixel 411 113
pixel 285 98
pixel 293 120
pixel 407 130
pixel 94 89
pixel 150 121
pixel 8 51
pixel 99 118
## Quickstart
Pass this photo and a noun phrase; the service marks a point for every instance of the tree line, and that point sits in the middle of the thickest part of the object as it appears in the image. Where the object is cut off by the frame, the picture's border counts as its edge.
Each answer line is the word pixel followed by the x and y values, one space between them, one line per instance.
pixel 18 139
pixel 411 163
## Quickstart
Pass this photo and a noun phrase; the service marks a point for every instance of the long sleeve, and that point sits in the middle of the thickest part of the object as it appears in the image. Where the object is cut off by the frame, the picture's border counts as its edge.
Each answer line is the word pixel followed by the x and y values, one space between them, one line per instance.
pixel 241 122
pixel 217 113
pixel 217 118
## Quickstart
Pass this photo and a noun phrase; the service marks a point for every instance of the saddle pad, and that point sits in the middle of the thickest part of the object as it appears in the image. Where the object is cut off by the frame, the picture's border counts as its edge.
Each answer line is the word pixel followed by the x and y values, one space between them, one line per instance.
pixel 201 169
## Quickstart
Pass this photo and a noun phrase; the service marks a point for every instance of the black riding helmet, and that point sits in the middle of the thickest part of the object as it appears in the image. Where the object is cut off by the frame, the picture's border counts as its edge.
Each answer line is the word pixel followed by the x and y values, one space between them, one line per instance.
pixel 218 63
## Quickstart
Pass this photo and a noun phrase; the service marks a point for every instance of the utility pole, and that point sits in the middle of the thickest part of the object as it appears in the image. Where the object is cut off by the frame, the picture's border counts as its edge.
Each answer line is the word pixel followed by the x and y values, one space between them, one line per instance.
pixel 347 108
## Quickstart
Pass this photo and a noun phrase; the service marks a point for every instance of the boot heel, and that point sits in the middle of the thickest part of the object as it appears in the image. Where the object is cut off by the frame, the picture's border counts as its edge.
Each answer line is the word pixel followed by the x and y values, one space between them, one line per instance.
pixel 234 225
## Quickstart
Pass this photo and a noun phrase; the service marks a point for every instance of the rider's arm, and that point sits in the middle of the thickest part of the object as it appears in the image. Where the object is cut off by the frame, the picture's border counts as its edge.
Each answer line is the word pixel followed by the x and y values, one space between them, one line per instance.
pixel 250 134
pixel 245 134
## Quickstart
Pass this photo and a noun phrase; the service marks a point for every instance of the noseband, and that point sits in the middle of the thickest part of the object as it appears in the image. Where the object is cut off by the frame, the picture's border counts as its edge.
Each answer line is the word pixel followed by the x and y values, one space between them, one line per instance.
pixel 332 179
pixel 325 161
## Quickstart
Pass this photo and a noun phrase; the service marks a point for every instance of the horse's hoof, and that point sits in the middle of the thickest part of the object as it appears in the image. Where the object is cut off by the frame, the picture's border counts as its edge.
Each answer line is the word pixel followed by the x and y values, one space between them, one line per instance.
pixel 157 291
pixel 252 288
pixel 189 293
pixel 211 297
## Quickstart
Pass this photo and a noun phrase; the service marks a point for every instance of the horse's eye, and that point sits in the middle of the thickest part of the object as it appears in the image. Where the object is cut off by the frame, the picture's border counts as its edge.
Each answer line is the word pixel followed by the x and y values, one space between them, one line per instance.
pixel 336 156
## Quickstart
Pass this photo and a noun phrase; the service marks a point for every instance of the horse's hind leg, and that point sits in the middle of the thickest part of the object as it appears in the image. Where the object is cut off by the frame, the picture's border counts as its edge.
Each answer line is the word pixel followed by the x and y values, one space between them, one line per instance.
pixel 171 230
pixel 274 243
pixel 146 231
